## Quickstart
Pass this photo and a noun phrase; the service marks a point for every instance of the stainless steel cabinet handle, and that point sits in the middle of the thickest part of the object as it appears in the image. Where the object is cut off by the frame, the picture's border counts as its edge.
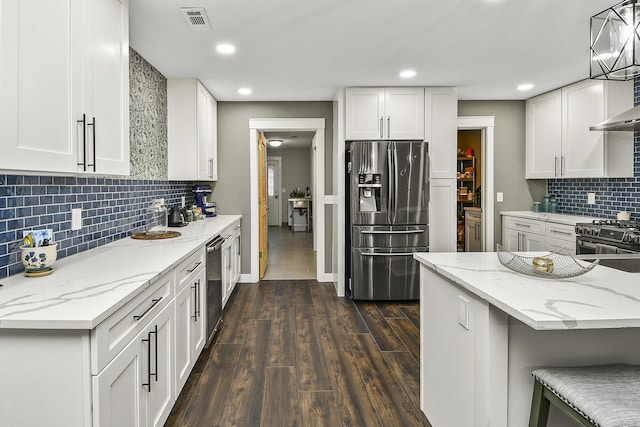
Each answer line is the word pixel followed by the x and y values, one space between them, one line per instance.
pixel 210 167
pixel 381 127
pixel 555 166
pixel 154 303
pixel 194 267
pixel 522 225
pixel 392 232
pixel 563 168
pixel 564 233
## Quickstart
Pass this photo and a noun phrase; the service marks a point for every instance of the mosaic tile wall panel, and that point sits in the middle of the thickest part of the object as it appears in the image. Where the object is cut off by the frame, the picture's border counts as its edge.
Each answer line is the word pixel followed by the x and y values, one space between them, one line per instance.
pixel 112 209
pixel 148 118
pixel 612 194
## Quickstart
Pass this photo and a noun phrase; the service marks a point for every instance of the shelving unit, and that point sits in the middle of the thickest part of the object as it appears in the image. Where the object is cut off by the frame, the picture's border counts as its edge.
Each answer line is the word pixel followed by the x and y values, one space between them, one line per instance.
pixel 465 186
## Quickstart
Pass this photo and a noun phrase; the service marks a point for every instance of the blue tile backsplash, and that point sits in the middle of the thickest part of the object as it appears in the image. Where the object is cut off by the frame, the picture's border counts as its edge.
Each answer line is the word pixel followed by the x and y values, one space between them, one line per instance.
pixel 112 209
pixel 612 194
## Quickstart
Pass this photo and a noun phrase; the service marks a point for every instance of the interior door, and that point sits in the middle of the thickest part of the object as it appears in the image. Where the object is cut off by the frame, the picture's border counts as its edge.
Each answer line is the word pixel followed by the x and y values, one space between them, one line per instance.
pixel 274 204
pixel 262 202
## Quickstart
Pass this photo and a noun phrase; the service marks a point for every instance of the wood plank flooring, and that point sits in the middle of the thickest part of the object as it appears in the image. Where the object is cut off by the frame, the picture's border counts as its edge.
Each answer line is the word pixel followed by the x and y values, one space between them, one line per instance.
pixel 291 353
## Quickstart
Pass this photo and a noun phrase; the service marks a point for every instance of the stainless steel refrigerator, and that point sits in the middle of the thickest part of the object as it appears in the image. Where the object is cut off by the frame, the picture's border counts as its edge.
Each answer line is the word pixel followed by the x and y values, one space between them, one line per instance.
pixel 388 216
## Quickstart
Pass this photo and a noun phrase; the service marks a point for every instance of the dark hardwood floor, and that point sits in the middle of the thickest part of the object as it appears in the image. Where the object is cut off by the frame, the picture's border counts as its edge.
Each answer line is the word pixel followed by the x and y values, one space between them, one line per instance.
pixel 291 353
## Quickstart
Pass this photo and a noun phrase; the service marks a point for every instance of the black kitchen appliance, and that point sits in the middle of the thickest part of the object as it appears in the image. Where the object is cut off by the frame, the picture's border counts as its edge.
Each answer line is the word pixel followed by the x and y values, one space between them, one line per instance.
pixel 214 286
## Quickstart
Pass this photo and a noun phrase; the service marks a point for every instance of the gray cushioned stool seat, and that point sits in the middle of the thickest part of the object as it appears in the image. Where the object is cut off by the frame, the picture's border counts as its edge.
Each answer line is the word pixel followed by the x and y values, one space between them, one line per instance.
pixel 607 396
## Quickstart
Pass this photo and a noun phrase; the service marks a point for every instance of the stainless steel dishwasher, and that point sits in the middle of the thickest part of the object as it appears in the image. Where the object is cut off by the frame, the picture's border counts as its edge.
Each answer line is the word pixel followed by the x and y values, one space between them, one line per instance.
pixel 214 286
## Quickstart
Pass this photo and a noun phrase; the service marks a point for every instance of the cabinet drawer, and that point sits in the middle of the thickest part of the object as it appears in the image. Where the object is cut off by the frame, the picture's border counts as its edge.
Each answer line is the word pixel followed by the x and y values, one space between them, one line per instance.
pixel 526 225
pixel 189 267
pixel 561 231
pixel 113 334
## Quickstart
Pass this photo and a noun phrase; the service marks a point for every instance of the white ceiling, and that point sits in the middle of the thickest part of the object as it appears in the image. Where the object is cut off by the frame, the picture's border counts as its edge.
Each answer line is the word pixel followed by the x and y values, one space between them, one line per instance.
pixel 306 49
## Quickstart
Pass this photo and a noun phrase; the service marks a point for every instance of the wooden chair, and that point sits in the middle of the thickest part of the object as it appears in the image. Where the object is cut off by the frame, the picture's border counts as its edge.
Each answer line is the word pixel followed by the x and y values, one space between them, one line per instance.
pixel 603 396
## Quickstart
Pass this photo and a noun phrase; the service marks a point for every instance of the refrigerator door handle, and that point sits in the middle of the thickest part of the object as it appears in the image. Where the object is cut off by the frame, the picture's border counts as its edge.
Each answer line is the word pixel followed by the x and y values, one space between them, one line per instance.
pixel 390 182
pixel 393 232
pixel 395 183
pixel 387 254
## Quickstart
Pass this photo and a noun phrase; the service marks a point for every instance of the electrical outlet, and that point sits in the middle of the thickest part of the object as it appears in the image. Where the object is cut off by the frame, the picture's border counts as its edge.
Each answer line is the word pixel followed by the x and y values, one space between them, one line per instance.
pixel 182 202
pixel 499 197
pixel 591 198
pixel 76 219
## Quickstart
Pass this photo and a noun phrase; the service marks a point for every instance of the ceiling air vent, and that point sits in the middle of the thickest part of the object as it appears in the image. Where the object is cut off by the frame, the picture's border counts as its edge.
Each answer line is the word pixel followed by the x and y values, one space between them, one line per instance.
pixel 196 17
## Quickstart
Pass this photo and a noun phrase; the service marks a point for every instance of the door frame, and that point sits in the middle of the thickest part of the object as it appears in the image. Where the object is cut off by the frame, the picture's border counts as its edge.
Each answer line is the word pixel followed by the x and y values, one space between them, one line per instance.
pixel 277 159
pixel 486 125
pixel 318 227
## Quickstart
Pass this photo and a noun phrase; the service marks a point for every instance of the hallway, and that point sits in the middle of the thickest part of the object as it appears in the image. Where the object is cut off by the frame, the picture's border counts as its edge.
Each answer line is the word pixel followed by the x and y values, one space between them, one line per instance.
pixel 292 353
pixel 291 255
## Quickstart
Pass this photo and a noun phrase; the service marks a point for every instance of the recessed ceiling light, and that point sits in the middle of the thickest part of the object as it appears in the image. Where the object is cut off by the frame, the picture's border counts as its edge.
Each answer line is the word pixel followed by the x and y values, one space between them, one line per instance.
pixel 407 74
pixel 525 86
pixel 244 91
pixel 275 142
pixel 225 48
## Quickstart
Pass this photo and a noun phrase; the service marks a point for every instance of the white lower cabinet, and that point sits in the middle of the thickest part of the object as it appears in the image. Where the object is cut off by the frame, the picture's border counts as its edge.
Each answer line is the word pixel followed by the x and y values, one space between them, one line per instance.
pixel 136 388
pixel 530 235
pixel 231 261
pixel 190 325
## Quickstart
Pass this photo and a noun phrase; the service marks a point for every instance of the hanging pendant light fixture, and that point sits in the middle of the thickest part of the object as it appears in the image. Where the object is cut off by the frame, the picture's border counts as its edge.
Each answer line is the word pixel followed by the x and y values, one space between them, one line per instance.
pixel 615 42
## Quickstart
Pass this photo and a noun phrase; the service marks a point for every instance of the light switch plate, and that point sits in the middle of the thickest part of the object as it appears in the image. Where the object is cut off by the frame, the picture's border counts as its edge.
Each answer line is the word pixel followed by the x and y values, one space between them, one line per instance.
pixel 76 219
pixel 591 198
pixel 499 197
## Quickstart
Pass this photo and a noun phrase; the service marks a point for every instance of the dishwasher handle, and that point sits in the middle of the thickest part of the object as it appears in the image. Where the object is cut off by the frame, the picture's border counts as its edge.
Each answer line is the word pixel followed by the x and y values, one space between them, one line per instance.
pixel 215 244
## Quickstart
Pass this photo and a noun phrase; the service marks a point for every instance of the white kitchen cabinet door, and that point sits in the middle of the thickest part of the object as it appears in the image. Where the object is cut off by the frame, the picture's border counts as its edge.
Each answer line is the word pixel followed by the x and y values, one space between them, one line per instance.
pixel 532 242
pixel 191 130
pixel 404 113
pixel 554 244
pixel 60 60
pixel 544 134
pixel 160 392
pixel 582 149
pixel 118 394
pixel 236 253
pixel 190 327
pixel 510 240
pixel 41 84
pixel 441 130
pixel 365 113
pixel 106 92
pixel 442 214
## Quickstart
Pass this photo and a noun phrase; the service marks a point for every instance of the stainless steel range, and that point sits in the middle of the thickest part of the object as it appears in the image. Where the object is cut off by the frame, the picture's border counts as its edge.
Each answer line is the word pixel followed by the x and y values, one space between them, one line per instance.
pixel 608 237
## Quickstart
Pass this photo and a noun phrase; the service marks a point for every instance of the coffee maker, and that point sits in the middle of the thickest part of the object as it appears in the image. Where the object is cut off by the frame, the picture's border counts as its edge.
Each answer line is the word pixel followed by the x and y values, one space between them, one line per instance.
pixel 200 192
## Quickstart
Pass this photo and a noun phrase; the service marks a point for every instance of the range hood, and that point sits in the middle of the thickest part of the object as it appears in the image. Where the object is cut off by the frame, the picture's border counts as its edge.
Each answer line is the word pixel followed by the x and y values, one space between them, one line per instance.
pixel 628 121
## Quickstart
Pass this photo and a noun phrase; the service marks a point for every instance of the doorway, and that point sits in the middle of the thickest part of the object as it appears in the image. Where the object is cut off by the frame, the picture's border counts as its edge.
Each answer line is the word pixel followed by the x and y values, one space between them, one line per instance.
pixel 483 129
pixel 315 125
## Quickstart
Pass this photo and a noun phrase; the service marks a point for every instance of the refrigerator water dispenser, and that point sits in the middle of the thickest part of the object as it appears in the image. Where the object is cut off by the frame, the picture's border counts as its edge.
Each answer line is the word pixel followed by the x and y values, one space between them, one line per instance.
pixel 369 185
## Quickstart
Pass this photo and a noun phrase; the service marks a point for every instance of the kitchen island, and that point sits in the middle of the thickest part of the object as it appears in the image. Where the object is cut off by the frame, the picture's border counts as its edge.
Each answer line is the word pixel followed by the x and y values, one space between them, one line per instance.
pixel 484 328
pixel 110 337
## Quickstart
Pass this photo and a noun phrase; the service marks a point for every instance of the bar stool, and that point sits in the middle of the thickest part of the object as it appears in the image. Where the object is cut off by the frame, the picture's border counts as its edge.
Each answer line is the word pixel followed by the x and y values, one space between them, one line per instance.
pixel 603 396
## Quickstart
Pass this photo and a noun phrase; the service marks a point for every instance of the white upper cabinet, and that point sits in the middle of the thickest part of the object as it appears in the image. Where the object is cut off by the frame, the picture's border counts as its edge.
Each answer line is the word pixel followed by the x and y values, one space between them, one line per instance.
pixel 559 142
pixel 60 61
pixel 192 131
pixel 441 130
pixel 385 113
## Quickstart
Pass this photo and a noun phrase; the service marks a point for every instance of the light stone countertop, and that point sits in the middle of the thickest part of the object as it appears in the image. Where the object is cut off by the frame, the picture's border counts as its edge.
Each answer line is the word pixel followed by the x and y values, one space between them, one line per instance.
pixel 86 288
pixel 600 298
pixel 551 217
